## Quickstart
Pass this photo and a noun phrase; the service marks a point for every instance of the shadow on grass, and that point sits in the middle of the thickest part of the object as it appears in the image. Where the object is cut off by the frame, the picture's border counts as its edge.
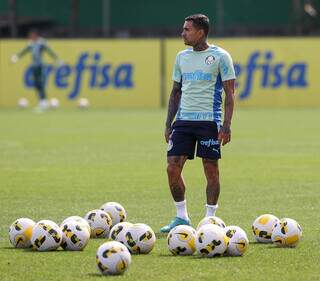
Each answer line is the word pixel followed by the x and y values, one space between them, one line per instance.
pixel 270 247
pixel 10 248
pixel 91 274
pixel 197 257
pixel 259 243
pixel 29 250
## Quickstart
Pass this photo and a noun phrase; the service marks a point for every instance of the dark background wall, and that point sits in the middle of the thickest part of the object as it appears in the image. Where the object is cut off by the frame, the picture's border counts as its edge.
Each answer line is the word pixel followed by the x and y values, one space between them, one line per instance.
pixel 141 18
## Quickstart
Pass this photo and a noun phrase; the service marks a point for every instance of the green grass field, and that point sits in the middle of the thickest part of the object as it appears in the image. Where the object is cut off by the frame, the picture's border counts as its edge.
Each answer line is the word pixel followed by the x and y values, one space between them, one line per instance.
pixel 65 163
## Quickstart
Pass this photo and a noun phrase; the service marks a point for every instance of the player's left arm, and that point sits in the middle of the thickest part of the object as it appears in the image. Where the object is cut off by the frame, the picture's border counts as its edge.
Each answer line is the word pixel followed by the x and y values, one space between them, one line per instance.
pixel 228 80
pixel 50 52
pixel 225 131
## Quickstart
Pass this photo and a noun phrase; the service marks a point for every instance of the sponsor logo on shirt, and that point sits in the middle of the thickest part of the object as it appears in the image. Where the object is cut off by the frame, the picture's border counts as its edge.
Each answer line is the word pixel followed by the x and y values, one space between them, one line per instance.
pixel 197 75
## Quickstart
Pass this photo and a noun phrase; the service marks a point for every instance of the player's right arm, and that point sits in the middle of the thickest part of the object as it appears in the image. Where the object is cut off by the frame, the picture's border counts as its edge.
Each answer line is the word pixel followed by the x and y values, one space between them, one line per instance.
pixel 19 55
pixel 173 106
pixel 175 97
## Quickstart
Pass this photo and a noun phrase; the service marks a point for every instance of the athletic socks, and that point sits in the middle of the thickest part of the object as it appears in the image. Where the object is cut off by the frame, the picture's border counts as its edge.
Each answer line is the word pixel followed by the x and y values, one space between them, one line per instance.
pixel 183 214
pixel 211 210
pixel 182 210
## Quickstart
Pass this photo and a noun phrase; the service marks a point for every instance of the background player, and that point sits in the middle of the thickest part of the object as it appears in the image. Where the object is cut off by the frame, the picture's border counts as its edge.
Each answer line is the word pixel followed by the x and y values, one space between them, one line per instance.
pixel 37 46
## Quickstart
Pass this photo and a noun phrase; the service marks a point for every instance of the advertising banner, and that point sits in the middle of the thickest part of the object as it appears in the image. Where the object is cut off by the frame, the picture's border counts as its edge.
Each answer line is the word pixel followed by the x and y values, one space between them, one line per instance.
pixel 109 73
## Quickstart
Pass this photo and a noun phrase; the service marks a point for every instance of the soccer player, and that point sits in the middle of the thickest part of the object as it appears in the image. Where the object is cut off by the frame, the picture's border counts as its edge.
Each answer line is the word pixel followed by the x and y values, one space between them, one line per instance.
pixel 36 47
pixel 199 76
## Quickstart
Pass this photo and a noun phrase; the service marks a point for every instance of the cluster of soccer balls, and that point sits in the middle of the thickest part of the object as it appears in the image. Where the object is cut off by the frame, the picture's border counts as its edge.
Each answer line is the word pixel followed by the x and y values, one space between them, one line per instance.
pixel 74 232
pixel 211 238
pixel 54 103
pixel 283 232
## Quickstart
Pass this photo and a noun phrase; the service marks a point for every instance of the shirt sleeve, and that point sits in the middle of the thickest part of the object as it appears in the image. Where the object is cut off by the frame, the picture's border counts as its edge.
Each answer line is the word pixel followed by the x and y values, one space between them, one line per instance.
pixel 176 75
pixel 24 51
pixel 226 68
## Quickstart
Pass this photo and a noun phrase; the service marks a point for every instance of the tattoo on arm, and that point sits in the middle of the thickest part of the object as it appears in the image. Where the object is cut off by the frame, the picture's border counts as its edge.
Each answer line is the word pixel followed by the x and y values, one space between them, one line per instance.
pixel 229 88
pixel 174 102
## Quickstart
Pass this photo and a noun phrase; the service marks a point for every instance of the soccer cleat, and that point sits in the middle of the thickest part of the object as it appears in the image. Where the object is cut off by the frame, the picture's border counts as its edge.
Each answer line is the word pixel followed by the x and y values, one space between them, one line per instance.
pixel 175 222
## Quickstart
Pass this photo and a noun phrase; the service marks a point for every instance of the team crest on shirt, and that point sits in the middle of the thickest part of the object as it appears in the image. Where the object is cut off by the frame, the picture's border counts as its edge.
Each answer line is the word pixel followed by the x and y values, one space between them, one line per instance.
pixel 209 60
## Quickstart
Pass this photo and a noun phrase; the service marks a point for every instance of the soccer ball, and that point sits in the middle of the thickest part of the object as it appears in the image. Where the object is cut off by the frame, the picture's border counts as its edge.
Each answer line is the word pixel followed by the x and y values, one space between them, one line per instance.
pixel 118 232
pixel 83 103
pixel 113 258
pixel 100 223
pixel 20 233
pixel 23 103
pixel 115 211
pixel 46 236
pixel 211 241
pixel 54 103
pixel 286 233
pixel 75 236
pixel 140 239
pixel 211 220
pixel 238 240
pixel 262 227
pixel 79 220
pixel 181 240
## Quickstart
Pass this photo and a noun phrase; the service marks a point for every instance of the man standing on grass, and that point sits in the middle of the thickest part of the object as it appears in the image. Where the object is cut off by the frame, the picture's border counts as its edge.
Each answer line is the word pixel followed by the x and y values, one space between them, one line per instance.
pixel 199 75
pixel 37 46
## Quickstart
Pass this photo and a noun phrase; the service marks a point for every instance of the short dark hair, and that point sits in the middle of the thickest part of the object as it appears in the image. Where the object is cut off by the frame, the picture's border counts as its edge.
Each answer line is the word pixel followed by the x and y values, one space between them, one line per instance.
pixel 200 22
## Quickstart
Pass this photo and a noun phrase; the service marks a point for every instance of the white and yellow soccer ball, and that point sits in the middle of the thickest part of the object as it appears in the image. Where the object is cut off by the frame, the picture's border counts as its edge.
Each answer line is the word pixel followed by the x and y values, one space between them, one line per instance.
pixel 286 233
pixel 211 241
pixel 238 240
pixel 83 103
pixel 20 233
pixel 23 103
pixel 140 239
pixel 46 236
pixel 181 240
pixel 79 220
pixel 211 220
pixel 54 103
pixel 100 223
pixel 113 258
pixel 118 232
pixel 262 227
pixel 75 236
pixel 115 211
